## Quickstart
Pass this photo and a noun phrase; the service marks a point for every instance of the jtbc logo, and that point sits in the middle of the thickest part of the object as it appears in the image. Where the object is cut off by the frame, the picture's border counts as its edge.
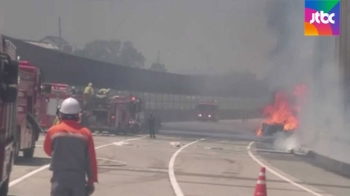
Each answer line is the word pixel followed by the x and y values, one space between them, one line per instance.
pixel 324 17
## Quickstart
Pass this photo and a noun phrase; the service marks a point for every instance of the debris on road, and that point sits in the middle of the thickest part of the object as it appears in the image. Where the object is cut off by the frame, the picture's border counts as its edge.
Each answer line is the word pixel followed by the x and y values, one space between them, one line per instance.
pixel 213 148
pixel 175 144
pixel 122 143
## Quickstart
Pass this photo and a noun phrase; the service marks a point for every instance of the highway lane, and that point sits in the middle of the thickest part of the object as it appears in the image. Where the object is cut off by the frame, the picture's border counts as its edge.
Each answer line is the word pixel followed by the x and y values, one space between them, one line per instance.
pixel 303 169
pixel 24 166
pixel 140 167
pixel 215 166
pixel 296 167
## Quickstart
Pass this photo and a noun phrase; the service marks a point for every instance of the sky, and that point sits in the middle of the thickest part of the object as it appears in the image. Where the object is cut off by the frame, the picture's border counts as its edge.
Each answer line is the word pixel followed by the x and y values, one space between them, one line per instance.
pixel 193 36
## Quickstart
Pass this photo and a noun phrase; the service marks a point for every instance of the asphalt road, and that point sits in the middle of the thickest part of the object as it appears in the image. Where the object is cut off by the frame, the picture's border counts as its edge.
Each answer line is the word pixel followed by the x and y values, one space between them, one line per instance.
pixel 218 165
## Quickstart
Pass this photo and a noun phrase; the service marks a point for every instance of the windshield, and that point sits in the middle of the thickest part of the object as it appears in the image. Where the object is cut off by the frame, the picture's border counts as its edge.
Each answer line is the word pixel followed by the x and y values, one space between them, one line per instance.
pixel 206 108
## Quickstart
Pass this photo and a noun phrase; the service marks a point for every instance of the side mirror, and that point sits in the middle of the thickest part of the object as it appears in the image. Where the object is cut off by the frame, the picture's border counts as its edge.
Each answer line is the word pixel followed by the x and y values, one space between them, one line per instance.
pixel 9 94
pixel 9 81
pixel 11 70
pixel 47 88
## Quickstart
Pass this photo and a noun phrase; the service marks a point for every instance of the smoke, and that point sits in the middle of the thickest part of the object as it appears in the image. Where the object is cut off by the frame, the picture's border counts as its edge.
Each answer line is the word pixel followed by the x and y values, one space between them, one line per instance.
pixel 284 142
pixel 312 61
pixel 292 52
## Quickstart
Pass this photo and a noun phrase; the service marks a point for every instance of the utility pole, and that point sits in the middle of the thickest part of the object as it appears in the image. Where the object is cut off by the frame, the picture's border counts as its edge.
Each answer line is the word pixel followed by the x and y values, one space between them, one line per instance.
pixel 158 58
pixel 59 28
pixel 59 32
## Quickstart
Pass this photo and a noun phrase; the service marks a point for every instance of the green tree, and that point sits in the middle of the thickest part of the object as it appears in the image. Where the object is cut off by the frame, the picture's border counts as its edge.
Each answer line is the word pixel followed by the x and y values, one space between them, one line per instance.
pixel 113 51
pixel 129 56
pixel 158 67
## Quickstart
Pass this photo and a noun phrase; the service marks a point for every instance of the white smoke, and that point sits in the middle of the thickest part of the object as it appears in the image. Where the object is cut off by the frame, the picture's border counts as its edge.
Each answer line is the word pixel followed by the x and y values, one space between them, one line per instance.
pixel 284 142
pixel 312 61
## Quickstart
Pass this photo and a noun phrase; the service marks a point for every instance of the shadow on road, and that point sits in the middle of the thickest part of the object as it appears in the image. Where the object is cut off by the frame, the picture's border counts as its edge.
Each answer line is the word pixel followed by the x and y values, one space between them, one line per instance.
pixel 35 161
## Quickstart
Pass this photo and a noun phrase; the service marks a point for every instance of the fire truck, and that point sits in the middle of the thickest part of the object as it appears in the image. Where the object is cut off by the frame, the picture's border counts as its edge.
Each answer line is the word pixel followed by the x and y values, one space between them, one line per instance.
pixel 55 93
pixel 8 111
pixel 115 114
pixel 28 108
pixel 208 111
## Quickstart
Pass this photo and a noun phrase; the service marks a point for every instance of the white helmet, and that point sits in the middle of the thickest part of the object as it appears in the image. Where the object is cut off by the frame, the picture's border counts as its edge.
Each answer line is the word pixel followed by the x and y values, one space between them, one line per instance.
pixel 70 106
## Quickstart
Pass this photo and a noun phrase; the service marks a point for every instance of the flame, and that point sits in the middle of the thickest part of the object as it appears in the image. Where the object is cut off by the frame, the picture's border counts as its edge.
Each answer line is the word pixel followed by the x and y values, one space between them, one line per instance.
pixel 284 109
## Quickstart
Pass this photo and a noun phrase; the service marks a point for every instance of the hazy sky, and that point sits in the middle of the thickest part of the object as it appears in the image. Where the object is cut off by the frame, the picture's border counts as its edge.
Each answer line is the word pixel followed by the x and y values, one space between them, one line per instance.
pixel 202 36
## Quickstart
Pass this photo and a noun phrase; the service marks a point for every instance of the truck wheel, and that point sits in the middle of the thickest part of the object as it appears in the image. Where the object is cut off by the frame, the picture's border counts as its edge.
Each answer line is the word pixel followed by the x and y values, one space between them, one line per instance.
pixel 17 144
pixel 28 153
pixel 4 189
pixel 16 151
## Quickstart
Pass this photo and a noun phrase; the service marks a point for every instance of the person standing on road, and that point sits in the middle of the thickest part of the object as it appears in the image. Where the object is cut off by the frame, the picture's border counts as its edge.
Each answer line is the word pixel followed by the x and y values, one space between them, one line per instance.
pixel 84 119
pixel 152 126
pixel 71 147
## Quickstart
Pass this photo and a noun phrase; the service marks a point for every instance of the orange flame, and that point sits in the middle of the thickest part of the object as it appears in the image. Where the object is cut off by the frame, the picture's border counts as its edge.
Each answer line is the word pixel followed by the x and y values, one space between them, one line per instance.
pixel 284 109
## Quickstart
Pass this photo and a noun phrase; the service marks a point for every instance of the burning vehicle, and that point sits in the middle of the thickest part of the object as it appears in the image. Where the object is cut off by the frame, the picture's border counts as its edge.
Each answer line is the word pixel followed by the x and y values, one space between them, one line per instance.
pixel 281 115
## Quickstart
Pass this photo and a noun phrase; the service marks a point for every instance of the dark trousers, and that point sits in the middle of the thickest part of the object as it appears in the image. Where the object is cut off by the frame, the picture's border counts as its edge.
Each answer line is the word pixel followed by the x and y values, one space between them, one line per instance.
pixel 152 132
pixel 68 183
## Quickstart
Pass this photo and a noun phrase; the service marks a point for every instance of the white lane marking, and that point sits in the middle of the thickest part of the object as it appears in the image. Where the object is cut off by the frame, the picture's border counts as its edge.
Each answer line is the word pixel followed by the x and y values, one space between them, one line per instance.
pixel 112 160
pixel 44 167
pixel 136 169
pixel 278 174
pixel 173 181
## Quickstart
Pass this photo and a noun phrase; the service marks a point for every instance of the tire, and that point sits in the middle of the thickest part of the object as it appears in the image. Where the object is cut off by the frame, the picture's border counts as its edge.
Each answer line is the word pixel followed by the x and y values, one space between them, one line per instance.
pixel 28 153
pixel 17 143
pixel 16 151
pixel 4 189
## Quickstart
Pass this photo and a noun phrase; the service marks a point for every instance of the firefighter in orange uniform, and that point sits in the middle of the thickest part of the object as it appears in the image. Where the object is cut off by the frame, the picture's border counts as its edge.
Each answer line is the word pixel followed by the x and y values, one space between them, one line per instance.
pixel 71 146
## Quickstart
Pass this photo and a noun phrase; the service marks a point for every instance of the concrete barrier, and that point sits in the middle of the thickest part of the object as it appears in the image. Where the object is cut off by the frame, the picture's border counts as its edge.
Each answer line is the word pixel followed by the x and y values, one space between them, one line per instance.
pixel 329 164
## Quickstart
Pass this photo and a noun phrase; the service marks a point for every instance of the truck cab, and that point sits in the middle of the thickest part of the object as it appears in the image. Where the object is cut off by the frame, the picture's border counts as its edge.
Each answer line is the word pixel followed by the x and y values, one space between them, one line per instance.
pixel 208 111
pixel 28 108
pixel 53 96
pixel 116 114
pixel 8 110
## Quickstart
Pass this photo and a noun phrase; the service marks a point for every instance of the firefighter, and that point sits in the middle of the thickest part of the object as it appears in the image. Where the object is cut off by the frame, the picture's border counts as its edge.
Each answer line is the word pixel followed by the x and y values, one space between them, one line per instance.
pixel 152 126
pixel 57 120
pixel 84 118
pixel 88 94
pixel 72 152
pixel 73 90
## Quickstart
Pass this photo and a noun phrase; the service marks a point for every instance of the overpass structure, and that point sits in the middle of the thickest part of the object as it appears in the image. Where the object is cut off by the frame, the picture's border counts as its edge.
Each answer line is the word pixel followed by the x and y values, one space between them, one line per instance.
pixel 172 96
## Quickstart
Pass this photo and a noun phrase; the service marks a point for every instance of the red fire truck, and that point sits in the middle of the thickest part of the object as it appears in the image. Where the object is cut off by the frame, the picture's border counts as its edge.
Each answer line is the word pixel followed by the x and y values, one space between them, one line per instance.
pixel 54 95
pixel 208 111
pixel 8 111
pixel 28 108
pixel 116 114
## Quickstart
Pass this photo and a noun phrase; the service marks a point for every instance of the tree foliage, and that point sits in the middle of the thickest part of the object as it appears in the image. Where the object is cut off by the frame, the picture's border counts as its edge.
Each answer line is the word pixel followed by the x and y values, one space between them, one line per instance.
pixel 158 67
pixel 113 51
